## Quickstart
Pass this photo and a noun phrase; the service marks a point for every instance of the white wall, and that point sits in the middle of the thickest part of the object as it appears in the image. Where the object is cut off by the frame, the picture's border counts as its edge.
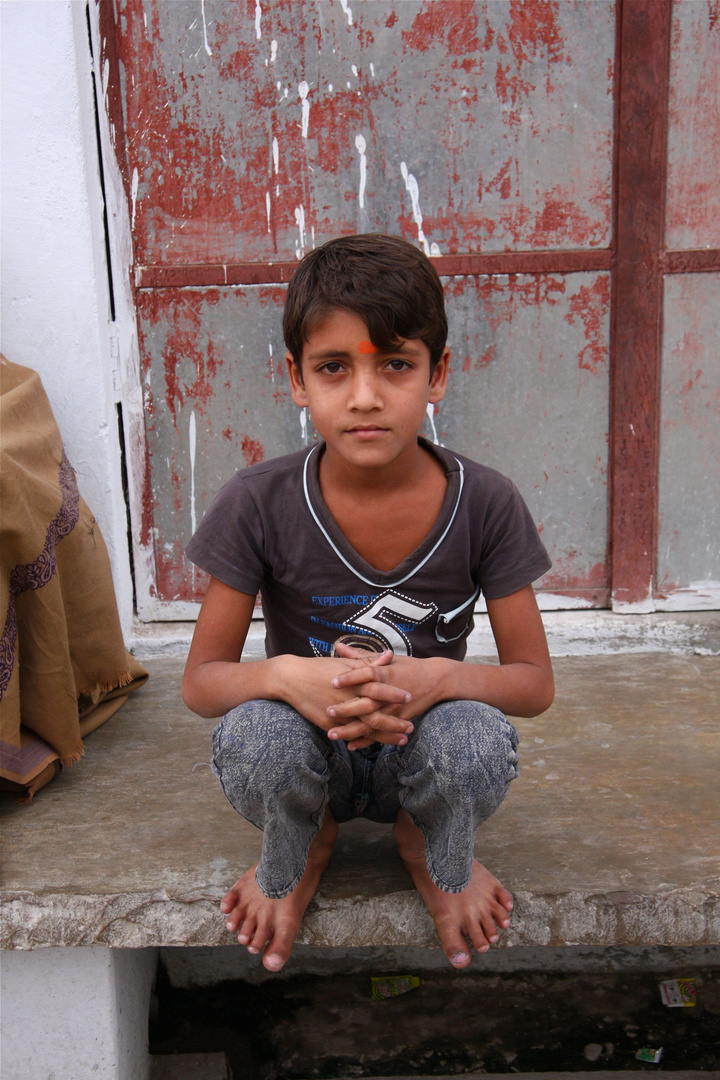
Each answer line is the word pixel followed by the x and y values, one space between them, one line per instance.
pixel 76 1013
pixel 55 296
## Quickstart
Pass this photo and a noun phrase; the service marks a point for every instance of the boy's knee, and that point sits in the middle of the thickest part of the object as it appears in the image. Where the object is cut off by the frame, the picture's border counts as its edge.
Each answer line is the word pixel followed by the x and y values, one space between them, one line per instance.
pixel 265 754
pixel 463 737
pixel 269 734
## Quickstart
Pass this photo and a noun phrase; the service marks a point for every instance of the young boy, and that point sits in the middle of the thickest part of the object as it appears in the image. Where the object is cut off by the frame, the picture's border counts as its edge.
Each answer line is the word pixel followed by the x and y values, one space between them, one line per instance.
pixel 370 550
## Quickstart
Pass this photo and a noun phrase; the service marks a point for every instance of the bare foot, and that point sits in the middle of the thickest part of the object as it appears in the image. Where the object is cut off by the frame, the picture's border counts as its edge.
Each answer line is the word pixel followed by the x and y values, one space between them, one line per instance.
pixel 476 913
pixel 271 925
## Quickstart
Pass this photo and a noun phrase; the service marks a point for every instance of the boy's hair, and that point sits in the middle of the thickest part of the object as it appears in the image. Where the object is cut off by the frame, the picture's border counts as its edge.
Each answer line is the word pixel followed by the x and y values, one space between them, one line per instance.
pixel 388 282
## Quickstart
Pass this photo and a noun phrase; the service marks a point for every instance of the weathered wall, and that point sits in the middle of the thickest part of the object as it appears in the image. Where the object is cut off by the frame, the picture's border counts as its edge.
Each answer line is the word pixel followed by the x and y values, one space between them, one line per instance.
pixel 55 300
pixel 254 132
pixel 293 122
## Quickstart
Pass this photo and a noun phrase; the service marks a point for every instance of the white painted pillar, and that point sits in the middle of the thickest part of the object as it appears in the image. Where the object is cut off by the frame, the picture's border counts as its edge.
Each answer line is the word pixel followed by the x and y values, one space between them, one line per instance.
pixel 56 315
pixel 75 1013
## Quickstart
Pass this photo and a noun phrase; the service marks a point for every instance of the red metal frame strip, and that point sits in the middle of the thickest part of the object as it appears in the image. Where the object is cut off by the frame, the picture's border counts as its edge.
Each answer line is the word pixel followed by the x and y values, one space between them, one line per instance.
pixel 637 295
pixel 503 262
pixel 700 260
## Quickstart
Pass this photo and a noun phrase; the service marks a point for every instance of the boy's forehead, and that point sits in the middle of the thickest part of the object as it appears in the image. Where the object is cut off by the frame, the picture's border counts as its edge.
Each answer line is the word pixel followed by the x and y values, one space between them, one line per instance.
pixel 345 331
pixel 338 322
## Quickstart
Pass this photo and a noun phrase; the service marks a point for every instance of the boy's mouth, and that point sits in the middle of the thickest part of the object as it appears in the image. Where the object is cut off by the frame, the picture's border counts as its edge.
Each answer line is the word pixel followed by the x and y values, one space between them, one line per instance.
pixel 366 431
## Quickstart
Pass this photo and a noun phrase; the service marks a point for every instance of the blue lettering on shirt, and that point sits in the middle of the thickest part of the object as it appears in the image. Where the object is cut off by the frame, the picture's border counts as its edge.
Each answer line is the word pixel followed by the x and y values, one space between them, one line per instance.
pixel 346 627
pixel 342 601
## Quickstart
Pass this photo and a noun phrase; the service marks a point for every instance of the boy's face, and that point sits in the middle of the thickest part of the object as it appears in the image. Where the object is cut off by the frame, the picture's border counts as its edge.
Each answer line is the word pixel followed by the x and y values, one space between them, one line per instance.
pixel 367 405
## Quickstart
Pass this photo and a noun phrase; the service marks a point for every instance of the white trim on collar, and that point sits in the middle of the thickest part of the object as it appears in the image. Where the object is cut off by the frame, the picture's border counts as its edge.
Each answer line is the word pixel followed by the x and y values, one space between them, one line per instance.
pixel 333 545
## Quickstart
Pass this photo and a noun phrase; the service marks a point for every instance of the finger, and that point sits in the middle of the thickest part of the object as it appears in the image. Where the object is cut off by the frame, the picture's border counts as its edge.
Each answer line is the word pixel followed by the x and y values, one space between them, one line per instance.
pixel 376 728
pixel 360 744
pixel 349 652
pixel 362 739
pixel 374 696
pixel 372 713
pixel 359 673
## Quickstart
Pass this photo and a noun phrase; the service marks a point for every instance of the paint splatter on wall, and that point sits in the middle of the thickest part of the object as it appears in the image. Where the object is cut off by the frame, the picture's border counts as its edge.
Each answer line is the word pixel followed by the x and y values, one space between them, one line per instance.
pixel 491 123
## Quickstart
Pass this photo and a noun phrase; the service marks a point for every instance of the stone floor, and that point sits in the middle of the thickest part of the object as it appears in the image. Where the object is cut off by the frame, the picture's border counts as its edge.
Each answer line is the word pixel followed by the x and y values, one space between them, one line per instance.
pixel 611 835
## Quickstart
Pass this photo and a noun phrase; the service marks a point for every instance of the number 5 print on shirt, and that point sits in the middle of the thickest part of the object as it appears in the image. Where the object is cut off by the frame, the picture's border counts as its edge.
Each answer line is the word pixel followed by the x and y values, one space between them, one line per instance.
pixel 390 617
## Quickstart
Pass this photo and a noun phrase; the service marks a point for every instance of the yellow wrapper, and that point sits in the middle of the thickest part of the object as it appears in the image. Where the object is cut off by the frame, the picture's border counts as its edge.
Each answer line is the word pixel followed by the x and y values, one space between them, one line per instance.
pixel 678 993
pixel 388 986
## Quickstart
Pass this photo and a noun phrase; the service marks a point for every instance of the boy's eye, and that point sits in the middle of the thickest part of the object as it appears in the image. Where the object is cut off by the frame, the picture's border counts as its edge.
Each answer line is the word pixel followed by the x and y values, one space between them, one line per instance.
pixel 397 365
pixel 331 367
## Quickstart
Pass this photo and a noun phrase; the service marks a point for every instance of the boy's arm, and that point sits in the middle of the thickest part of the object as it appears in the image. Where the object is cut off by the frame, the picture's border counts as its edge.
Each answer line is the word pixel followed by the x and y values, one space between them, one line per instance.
pixel 522 684
pixel 215 682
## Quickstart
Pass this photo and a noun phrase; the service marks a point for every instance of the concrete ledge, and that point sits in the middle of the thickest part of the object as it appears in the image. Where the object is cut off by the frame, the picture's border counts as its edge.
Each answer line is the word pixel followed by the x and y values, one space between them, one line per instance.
pixel 138 920
pixel 609 837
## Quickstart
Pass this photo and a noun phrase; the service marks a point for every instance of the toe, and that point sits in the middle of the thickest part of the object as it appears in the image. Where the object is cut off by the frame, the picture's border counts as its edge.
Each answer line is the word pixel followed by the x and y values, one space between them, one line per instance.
pixel 489 922
pixel 247 932
pixel 229 901
pixel 273 961
pixel 485 933
pixel 234 918
pixel 500 914
pixel 280 946
pixel 233 921
pixel 505 898
pixel 256 943
pixel 454 945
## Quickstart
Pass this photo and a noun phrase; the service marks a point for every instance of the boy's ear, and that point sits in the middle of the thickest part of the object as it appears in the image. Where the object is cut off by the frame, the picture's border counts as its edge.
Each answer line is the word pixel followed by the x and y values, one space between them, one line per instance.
pixel 297 386
pixel 439 378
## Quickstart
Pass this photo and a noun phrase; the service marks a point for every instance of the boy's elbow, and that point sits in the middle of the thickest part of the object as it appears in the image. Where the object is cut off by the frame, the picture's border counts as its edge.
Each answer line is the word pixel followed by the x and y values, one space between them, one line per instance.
pixel 539 696
pixel 193 698
pixel 188 697
pixel 545 695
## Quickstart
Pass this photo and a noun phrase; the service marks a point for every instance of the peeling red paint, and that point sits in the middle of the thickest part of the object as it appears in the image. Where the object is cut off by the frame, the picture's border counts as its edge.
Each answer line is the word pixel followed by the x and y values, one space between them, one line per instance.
pixel 177 579
pixel 691 382
pixel 208 188
pixel 591 304
pixel 456 25
pixel 501 298
pixel 534 27
pixel 487 357
pixel 253 451
pixel 147 501
pixel 693 194
pixel 567 575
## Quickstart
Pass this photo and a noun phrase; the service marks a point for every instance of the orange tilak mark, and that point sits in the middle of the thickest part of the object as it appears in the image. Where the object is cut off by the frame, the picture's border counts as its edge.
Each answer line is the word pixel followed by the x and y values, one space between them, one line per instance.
pixel 366 347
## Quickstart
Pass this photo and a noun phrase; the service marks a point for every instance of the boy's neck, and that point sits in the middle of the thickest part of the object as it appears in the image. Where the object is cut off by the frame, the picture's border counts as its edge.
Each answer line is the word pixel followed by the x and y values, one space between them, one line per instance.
pixel 406 497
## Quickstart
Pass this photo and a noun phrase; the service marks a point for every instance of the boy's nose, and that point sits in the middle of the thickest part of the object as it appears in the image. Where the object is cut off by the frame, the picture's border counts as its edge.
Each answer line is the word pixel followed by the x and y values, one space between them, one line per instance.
pixel 364 392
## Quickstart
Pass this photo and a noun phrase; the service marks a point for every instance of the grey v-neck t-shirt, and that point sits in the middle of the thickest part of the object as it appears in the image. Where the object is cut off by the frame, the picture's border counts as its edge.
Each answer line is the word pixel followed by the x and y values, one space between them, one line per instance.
pixel 269 531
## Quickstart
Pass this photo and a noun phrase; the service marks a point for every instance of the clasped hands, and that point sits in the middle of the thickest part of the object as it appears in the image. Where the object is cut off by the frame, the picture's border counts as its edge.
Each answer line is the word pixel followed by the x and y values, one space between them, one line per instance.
pixel 362 697
pixel 390 691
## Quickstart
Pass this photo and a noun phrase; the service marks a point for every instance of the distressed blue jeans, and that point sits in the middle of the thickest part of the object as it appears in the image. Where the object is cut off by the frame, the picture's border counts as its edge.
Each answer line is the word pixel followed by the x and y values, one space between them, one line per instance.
pixel 281 772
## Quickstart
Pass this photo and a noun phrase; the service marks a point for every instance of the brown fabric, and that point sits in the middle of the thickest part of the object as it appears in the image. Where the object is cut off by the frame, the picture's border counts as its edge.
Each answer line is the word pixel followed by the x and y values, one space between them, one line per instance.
pixel 63 664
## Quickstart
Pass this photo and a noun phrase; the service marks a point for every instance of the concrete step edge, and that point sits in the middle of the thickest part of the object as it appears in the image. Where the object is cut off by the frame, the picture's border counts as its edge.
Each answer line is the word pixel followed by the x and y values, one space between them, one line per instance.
pixel 605 1074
